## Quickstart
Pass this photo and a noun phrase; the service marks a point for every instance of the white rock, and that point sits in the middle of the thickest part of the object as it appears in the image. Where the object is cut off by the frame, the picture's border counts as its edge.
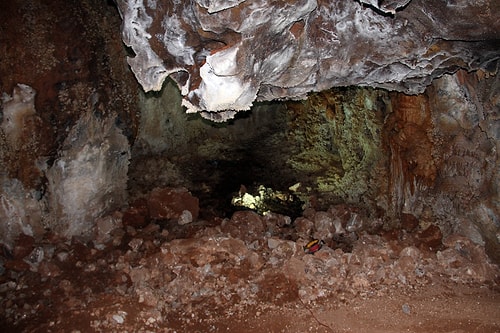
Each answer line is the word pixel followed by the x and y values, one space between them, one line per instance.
pixel 185 218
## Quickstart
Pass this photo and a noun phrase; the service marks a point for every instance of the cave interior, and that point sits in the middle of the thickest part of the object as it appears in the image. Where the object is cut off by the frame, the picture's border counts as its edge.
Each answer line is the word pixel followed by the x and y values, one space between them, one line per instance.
pixel 165 165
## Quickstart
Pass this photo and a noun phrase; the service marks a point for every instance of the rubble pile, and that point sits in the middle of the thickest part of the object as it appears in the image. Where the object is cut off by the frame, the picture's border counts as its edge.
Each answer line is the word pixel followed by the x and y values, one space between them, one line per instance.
pixel 150 278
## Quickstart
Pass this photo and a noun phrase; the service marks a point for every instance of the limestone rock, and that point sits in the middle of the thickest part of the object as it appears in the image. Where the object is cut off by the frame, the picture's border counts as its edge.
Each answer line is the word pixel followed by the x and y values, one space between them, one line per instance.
pixel 20 212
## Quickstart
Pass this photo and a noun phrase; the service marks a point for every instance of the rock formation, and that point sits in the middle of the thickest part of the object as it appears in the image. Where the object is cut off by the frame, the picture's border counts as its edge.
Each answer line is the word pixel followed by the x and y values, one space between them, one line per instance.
pixel 224 55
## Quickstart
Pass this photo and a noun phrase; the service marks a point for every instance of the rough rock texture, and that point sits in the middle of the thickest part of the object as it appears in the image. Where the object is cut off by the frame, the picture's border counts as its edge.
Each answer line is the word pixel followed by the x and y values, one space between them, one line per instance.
pixel 89 179
pixel 224 55
pixel 170 204
pixel 339 144
pixel 250 274
pixel 389 153
pixel 18 114
pixel 20 211
pixel 403 190
pixel 67 112
pixel 68 108
pixel 467 132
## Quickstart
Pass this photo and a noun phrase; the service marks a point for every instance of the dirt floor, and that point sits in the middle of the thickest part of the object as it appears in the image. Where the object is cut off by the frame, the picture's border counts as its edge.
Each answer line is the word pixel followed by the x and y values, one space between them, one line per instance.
pixel 249 274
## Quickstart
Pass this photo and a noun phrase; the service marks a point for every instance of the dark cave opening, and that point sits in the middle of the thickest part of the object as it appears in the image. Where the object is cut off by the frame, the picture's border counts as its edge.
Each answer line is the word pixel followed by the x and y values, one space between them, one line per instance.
pixel 251 154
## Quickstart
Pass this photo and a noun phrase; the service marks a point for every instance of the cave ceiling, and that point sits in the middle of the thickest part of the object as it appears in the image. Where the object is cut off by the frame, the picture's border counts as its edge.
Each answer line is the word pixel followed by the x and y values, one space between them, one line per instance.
pixel 226 54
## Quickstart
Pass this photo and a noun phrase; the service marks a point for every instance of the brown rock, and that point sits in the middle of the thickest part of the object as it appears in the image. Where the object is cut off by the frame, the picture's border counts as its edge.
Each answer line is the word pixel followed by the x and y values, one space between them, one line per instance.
pixel 409 222
pixel 294 269
pixel 253 260
pixel 23 246
pixel 201 258
pixel 408 259
pixel 49 269
pixel 245 225
pixel 431 238
pixel 137 215
pixel 309 213
pixel 17 265
pixel 273 220
pixel 139 275
pixel 234 246
pixel 170 203
pixel 304 227
pixel 147 296
pixel 105 226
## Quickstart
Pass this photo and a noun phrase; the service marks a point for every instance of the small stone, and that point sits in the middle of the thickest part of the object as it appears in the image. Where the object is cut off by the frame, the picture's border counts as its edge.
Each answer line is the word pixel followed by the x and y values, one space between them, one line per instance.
pixel 323 221
pixel 117 240
pixel 419 271
pixel 137 216
pixel 23 247
pixel 104 227
pixel 185 218
pixel 36 256
pixel 119 319
pixel 66 286
pixel 139 275
pixel 90 267
pixel 273 243
pixel 135 244
pixel 355 223
pixel 309 213
pixel 11 285
pixel 49 269
pixel 17 265
pixel 276 220
pixel 170 203
pixel 304 227
pixel 147 296
pixel 245 225
pixel 406 309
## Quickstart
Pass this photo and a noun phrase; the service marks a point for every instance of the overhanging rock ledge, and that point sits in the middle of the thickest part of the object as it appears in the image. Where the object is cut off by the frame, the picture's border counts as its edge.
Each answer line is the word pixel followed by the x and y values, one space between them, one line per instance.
pixel 226 54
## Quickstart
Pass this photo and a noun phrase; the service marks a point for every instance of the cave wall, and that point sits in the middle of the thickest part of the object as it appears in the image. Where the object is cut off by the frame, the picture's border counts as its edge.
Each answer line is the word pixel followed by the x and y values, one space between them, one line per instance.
pixel 338 139
pixel 466 118
pixel 68 115
pixel 173 148
pixel 432 155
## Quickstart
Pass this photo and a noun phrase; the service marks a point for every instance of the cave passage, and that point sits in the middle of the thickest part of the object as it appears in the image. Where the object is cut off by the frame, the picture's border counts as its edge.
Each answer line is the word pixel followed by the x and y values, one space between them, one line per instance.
pixel 241 155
